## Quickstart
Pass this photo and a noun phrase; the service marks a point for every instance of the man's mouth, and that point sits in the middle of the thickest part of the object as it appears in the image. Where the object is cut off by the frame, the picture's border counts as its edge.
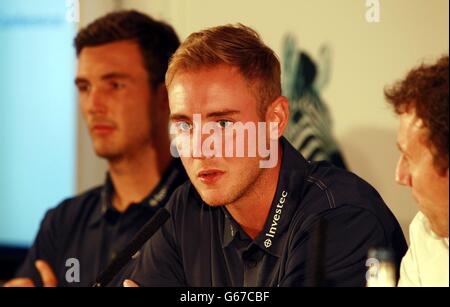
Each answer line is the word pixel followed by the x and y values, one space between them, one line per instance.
pixel 210 176
pixel 102 129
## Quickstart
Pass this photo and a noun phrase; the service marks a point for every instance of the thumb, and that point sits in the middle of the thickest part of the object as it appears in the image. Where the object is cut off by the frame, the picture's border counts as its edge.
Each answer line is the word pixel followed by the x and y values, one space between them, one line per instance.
pixel 128 283
pixel 47 275
pixel 19 282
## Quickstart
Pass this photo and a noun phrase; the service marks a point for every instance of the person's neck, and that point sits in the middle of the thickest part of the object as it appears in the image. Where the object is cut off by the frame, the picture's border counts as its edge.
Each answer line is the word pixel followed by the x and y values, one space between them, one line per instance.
pixel 136 175
pixel 251 210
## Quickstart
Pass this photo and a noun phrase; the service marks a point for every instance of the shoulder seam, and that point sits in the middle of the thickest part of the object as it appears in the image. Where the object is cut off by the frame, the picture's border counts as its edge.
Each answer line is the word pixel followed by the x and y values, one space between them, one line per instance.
pixel 322 186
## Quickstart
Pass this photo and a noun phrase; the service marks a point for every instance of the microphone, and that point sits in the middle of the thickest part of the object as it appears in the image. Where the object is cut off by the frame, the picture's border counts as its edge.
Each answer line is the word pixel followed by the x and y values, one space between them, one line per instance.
pixel 146 232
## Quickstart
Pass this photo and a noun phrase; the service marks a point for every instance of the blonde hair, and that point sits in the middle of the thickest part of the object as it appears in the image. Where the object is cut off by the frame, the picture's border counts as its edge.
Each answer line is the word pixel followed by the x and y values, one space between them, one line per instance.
pixel 237 46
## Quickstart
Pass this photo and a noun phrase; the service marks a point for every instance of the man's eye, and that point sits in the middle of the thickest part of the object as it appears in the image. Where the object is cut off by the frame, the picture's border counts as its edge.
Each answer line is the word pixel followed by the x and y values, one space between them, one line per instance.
pixel 224 123
pixel 183 126
pixel 117 85
pixel 83 88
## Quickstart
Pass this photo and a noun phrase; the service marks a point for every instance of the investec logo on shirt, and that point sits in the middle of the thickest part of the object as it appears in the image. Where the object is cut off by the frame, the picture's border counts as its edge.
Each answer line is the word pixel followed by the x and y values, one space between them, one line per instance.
pixel 275 220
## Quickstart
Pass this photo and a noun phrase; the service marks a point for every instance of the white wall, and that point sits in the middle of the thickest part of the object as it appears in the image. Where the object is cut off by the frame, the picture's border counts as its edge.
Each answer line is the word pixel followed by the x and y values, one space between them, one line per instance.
pixel 366 57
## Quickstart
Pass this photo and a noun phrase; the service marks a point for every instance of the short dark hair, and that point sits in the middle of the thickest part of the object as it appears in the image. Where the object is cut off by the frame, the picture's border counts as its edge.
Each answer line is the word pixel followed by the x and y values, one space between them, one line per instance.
pixel 425 88
pixel 157 40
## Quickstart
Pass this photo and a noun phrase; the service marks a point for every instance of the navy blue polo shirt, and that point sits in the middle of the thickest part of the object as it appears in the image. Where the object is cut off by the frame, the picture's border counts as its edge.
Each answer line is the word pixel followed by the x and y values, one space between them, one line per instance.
pixel 89 229
pixel 203 246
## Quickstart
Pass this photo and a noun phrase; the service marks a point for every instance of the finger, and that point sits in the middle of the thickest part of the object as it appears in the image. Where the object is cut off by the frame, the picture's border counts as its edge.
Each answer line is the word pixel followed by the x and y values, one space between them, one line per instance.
pixel 19 282
pixel 47 275
pixel 128 283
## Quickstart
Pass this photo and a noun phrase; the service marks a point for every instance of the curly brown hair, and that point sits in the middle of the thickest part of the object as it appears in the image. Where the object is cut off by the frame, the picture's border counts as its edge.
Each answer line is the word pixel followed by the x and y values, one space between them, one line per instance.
pixel 425 88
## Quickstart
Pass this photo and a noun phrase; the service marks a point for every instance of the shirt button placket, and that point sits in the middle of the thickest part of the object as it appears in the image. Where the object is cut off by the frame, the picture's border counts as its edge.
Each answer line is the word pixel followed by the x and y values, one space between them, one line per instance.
pixel 250 273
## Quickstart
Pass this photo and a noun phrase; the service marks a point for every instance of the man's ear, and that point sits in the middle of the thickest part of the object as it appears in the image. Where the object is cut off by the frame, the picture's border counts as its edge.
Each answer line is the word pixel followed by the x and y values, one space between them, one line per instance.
pixel 278 112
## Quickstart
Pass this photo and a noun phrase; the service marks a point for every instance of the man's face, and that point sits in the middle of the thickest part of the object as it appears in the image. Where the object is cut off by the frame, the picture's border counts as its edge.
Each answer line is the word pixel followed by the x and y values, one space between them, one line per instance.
pixel 114 94
pixel 220 95
pixel 416 169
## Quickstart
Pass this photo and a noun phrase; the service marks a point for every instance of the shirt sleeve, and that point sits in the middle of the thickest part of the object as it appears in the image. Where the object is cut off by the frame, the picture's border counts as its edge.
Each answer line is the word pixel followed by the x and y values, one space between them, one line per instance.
pixel 43 248
pixel 160 263
pixel 349 233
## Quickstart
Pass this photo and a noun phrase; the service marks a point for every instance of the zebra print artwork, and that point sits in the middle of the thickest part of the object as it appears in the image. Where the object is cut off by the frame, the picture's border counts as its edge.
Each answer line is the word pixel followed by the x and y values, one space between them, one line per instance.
pixel 310 125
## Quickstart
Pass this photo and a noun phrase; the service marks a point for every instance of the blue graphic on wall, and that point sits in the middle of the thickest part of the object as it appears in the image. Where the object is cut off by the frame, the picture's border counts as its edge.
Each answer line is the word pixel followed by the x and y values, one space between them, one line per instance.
pixel 37 114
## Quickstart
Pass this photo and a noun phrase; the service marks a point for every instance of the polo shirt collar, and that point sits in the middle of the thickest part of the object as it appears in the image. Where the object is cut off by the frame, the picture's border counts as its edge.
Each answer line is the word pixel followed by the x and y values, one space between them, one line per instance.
pixel 284 205
pixel 230 228
pixel 154 200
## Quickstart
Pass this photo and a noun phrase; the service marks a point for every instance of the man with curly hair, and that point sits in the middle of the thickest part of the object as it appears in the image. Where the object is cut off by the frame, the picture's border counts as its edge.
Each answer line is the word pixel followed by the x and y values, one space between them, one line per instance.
pixel 421 101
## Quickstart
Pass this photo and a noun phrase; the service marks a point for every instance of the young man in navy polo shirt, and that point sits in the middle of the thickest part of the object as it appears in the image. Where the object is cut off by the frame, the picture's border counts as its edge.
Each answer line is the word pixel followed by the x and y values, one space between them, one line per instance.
pixel 123 58
pixel 252 217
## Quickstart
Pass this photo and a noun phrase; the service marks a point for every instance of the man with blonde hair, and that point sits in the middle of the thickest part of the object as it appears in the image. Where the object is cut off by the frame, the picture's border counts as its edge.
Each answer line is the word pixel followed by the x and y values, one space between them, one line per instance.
pixel 239 221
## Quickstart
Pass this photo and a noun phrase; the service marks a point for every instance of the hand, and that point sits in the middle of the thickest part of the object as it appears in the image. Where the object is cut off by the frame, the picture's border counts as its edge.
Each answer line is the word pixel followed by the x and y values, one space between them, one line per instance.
pixel 47 276
pixel 128 283
pixel 19 282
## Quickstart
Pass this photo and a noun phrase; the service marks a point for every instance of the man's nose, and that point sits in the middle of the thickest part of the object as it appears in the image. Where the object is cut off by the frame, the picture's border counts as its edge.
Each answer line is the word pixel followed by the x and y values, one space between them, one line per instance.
pixel 97 102
pixel 206 145
pixel 402 174
pixel 198 140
